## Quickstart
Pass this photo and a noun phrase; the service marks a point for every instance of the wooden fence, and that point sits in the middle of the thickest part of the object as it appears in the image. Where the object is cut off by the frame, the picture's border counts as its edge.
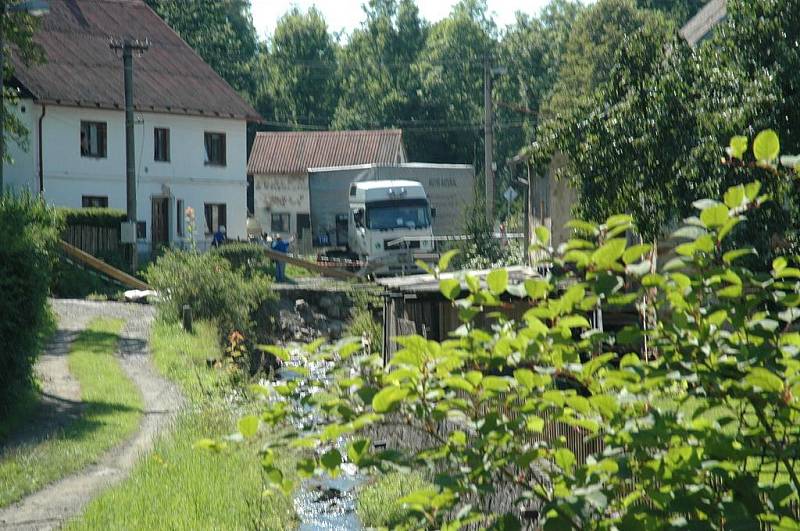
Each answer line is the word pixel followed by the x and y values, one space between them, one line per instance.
pixel 96 241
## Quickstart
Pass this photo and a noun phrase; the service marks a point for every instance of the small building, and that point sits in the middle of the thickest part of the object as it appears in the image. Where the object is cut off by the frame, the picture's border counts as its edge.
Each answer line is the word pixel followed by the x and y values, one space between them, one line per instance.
pixel 279 163
pixel 190 125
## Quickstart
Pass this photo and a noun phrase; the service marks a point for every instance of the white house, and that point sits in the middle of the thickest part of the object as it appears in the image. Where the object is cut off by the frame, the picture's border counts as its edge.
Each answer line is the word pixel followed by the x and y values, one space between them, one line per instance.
pixel 279 164
pixel 190 125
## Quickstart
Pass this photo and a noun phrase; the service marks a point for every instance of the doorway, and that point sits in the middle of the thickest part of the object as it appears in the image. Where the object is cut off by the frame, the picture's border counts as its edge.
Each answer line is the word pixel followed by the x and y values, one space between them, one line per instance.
pixel 160 222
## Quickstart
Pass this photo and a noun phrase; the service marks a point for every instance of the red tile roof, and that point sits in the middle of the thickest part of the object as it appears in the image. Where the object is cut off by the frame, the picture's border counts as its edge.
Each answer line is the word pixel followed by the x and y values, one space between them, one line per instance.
pixel 293 153
pixel 82 69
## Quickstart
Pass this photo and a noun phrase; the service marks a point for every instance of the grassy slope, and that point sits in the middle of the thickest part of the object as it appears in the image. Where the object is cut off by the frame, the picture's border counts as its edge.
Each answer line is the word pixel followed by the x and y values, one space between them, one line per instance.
pixel 177 486
pixel 112 410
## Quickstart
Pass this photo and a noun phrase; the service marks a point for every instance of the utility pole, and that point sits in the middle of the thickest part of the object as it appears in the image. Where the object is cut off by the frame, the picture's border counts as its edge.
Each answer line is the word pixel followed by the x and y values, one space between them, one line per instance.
pixel 488 139
pixel 128 46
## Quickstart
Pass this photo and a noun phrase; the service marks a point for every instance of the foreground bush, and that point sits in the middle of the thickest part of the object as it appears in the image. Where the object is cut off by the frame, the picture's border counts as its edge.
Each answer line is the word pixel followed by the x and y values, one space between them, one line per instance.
pixel 690 420
pixel 210 286
pixel 28 246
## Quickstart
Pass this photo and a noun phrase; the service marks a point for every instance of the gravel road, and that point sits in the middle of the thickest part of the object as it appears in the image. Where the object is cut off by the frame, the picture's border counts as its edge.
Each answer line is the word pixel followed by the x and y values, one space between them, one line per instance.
pixel 51 506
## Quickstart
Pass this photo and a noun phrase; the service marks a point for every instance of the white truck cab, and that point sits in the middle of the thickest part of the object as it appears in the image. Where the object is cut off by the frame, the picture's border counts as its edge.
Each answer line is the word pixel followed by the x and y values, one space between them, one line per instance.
pixel 389 225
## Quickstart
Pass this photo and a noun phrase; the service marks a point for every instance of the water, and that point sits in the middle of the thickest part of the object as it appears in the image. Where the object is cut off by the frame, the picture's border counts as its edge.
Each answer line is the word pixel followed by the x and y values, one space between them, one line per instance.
pixel 324 502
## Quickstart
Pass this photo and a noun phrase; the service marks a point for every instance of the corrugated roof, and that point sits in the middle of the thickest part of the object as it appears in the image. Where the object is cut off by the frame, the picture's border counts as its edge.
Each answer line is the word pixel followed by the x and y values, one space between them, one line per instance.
pixel 293 153
pixel 83 70
pixel 704 21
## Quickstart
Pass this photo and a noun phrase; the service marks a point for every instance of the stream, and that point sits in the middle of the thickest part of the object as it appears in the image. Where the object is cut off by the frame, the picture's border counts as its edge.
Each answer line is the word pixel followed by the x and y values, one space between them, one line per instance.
pixel 323 502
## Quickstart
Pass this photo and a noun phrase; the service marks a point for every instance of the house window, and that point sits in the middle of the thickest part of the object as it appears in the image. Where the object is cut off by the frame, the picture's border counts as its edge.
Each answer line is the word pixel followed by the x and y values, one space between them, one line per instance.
pixel 161 144
pixel 94 201
pixel 93 139
pixel 215 149
pixel 280 222
pixel 215 217
pixel 181 215
pixel 141 230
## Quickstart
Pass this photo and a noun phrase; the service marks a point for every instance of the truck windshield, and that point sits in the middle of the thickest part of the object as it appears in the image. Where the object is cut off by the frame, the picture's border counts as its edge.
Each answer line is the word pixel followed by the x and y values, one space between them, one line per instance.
pixel 406 213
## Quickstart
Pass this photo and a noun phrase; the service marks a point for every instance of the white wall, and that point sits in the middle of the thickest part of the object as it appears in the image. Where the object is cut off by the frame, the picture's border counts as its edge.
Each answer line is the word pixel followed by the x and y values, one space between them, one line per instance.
pixel 68 176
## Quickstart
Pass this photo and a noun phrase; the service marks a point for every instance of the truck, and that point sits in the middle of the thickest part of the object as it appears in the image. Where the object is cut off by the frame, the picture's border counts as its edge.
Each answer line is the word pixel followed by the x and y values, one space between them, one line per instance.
pixel 384 217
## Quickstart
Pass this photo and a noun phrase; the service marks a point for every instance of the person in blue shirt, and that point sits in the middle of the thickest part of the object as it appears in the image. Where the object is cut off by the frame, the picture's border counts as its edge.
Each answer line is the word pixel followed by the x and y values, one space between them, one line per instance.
pixel 282 246
pixel 219 237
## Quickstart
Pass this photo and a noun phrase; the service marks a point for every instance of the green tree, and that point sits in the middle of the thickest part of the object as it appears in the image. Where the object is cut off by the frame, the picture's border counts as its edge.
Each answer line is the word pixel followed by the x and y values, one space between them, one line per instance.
pixel 221 32
pixel 298 71
pixel 678 10
pixel 531 50
pixel 18 29
pixel 379 85
pixel 451 76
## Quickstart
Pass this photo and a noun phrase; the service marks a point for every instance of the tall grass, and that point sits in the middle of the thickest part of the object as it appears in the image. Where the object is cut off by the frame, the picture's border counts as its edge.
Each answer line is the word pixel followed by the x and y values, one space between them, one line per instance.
pixel 179 487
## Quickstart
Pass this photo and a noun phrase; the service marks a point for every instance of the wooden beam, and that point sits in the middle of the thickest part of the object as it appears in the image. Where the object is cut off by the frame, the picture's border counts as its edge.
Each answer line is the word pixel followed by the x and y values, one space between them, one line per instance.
pixel 95 263
pixel 325 271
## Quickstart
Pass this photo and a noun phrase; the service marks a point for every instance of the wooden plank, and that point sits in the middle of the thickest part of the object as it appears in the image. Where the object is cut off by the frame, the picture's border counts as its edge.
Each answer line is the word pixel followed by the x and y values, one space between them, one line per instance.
pixel 311 266
pixel 91 261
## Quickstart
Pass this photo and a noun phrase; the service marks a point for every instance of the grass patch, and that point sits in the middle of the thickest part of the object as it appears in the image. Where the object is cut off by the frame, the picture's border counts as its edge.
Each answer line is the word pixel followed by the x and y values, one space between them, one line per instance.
pixel 182 357
pixel 378 502
pixel 179 487
pixel 111 412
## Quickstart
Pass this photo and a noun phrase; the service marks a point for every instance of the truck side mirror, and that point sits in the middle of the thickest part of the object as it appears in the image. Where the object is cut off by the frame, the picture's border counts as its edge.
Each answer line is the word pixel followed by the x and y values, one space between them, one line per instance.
pixel 433 213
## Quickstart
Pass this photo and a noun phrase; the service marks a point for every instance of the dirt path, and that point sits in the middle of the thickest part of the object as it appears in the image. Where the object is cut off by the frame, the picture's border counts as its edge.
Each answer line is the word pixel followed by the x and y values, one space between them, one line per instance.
pixel 51 506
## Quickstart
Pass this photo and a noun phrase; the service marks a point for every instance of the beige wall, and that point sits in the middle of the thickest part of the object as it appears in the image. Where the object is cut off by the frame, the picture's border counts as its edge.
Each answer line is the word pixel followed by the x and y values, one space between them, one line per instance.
pixel 552 200
pixel 280 194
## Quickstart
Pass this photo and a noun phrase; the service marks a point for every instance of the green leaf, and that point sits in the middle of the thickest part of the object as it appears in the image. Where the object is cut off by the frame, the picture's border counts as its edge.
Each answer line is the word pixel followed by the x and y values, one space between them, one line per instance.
pixel 542 234
pixel 735 196
pixel 387 397
pixel 450 288
pixel 424 266
pixel 610 252
pixel 751 190
pixel 499 384
pixel 534 424
pixel 764 380
pixel 738 146
pixel 248 426
pixel 444 260
pixel 584 227
pixel 715 216
pixel 473 283
pixel 731 292
pixel 617 220
pixel 574 321
pixel 730 256
pixel 331 459
pixel 634 253
pixel 356 450
pixel 279 352
pixel 766 146
pixel 779 264
pixel 565 459
pixel 497 281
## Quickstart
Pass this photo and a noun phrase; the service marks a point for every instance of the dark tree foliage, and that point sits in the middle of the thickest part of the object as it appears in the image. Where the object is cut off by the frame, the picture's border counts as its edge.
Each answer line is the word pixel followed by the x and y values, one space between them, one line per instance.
pixel 18 31
pixel 221 32
pixel 627 138
pixel 299 83
pixel 678 10
pixel 380 87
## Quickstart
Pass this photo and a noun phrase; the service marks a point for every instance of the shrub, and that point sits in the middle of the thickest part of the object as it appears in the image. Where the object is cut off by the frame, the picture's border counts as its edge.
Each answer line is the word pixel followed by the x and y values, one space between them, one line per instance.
pixel 688 417
pixel 28 249
pixel 93 217
pixel 248 258
pixel 210 286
